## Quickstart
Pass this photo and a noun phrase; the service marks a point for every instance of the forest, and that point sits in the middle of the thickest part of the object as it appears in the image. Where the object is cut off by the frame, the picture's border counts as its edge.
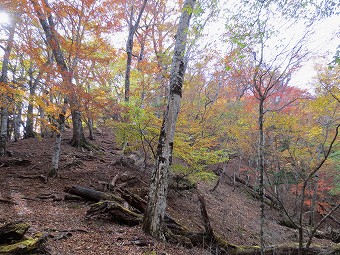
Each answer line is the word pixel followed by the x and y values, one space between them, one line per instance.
pixel 168 127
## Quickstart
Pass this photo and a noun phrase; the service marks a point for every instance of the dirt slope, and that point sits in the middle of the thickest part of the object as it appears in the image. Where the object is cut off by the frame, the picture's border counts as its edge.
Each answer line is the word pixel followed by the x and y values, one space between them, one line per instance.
pixel 234 214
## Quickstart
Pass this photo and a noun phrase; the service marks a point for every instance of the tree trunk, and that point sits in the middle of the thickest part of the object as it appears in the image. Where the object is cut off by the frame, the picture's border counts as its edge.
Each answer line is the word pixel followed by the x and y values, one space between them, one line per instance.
pixel 3 81
pixel 154 215
pixel 29 132
pixel 90 128
pixel 53 172
pixel 129 47
pixel 33 83
pixel 3 134
pixel 42 126
pixel 314 197
pixel 17 122
pixel 261 170
pixel 78 140
pixel 91 194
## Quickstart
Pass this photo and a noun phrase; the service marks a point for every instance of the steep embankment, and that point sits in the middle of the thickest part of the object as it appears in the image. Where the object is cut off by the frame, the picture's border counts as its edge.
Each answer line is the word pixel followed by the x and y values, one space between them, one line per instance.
pixel 25 196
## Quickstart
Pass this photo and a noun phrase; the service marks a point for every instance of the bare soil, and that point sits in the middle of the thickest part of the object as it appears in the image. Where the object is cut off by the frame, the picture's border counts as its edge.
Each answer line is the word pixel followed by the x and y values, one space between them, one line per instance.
pixel 234 214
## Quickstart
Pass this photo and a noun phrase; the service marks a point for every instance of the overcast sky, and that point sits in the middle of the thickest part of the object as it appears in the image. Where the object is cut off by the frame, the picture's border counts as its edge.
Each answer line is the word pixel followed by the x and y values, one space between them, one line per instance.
pixel 323 44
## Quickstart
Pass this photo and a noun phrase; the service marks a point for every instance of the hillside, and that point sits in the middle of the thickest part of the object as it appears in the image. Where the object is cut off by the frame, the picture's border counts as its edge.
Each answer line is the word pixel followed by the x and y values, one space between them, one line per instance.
pixel 234 214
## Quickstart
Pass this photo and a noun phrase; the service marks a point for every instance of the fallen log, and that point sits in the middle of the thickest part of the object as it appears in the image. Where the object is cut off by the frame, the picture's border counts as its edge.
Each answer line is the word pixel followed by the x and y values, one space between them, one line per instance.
pixel 332 234
pixel 133 200
pixel 13 231
pixel 14 162
pixel 7 201
pixel 91 194
pixel 13 240
pixel 117 212
pixel 27 246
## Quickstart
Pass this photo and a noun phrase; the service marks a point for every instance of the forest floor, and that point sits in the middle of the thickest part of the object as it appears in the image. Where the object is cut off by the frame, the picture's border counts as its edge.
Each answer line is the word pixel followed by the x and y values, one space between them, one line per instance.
pixel 234 214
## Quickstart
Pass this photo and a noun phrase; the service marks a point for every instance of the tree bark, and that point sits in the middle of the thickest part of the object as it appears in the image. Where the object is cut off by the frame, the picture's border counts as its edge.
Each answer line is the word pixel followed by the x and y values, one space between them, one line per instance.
pixel 89 123
pixel 78 140
pixel 129 47
pixel 3 82
pixel 3 134
pixel 33 83
pixel 91 194
pixel 154 215
pixel 17 121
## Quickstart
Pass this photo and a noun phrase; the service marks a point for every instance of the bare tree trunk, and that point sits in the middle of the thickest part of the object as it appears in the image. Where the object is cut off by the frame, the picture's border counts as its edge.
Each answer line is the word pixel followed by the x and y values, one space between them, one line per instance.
pixel 261 170
pixel 129 46
pixel 33 83
pixel 43 129
pixel 4 80
pixel 154 215
pixel 89 123
pixel 29 131
pixel 314 197
pixel 53 172
pixel 17 121
pixel 78 140
pixel 3 134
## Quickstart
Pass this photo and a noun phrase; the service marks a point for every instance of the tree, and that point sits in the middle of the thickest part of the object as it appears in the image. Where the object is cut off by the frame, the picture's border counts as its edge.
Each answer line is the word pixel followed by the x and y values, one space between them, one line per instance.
pixel 81 23
pixel 154 215
pixel 4 83
pixel 133 26
pixel 267 73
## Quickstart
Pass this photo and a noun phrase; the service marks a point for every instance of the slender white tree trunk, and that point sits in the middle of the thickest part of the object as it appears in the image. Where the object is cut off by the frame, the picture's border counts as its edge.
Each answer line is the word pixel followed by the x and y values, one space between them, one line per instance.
pixel 154 215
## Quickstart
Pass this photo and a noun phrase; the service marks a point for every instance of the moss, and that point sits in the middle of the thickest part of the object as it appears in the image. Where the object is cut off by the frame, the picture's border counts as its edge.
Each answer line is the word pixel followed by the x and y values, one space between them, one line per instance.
pixel 13 231
pixel 21 228
pixel 26 246
pixel 150 253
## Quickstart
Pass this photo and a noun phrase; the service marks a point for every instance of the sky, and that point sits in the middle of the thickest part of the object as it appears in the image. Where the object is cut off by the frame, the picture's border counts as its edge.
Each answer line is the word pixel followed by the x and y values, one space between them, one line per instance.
pixel 3 18
pixel 323 44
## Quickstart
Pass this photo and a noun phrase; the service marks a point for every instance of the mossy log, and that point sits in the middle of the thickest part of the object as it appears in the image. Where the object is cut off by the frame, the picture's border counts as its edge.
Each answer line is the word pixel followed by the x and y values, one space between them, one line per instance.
pixel 91 194
pixel 13 231
pixel 133 200
pixel 117 212
pixel 27 246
